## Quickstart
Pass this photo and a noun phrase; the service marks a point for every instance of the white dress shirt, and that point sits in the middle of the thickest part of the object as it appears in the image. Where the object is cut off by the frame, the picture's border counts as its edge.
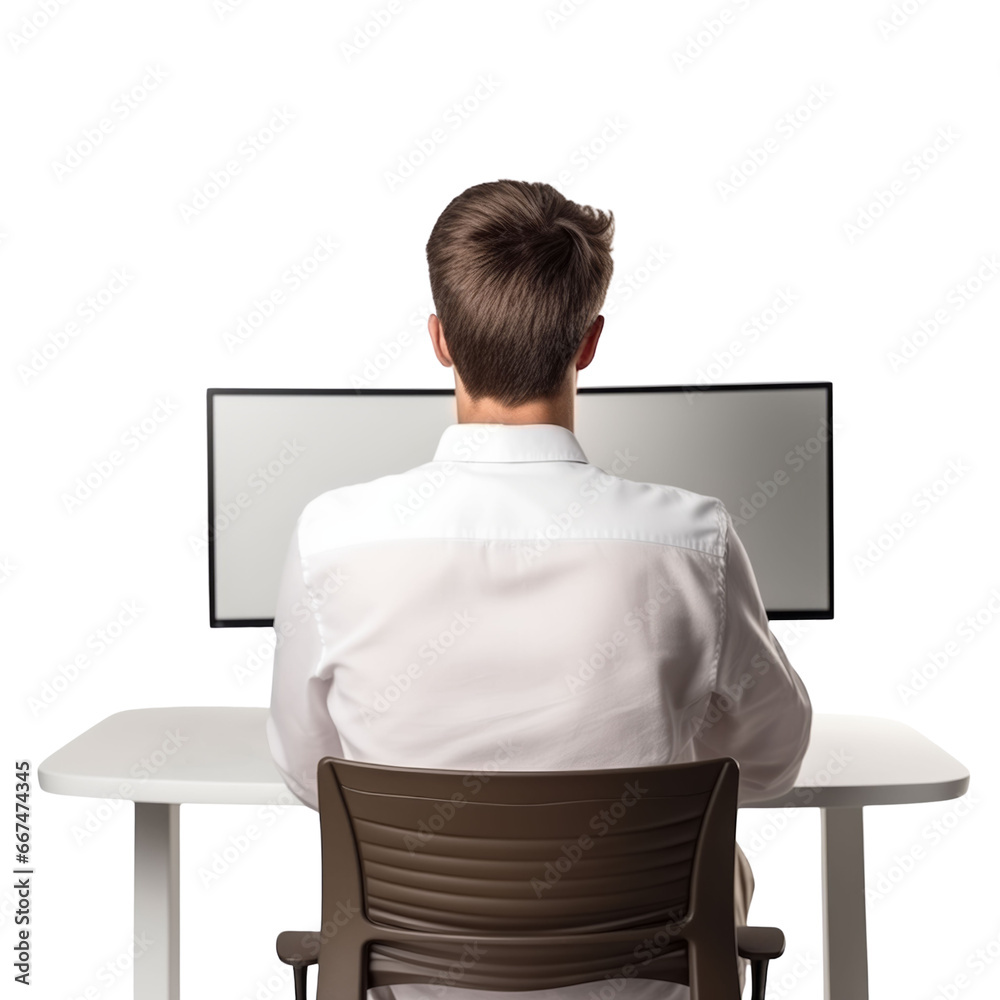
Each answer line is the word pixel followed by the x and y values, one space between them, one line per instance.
pixel 509 606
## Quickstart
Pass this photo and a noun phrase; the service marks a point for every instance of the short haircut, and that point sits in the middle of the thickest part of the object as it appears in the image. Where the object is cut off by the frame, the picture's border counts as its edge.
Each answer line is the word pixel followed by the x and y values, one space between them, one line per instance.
pixel 519 274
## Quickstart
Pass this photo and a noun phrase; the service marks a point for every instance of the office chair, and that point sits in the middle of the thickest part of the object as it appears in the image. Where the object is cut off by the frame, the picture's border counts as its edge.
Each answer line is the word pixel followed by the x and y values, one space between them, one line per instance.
pixel 526 880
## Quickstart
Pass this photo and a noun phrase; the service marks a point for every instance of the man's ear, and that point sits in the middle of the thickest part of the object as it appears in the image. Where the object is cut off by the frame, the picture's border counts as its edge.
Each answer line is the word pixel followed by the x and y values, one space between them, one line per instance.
pixel 436 331
pixel 589 345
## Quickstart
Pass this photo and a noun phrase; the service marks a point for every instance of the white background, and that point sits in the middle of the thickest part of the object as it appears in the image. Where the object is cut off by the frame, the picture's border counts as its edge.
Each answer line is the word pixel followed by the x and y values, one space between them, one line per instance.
pixel 555 85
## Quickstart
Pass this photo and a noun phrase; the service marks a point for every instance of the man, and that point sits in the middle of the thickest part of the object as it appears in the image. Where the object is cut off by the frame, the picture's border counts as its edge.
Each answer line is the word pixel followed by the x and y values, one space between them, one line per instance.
pixel 507 605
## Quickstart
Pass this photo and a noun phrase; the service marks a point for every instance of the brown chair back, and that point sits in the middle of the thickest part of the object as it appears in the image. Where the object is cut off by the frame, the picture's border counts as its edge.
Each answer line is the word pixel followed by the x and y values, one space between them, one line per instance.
pixel 525 880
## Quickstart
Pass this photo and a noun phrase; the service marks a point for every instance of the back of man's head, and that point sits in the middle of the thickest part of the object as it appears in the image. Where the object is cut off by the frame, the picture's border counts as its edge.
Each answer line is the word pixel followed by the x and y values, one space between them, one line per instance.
pixel 518 273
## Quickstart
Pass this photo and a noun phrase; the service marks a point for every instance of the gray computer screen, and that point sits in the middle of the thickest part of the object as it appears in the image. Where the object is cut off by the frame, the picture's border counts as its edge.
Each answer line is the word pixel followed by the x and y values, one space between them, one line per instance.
pixel 764 449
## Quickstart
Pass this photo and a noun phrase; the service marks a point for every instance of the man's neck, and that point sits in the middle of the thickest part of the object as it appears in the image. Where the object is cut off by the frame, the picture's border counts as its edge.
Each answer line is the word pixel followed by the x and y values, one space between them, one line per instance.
pixel 557 410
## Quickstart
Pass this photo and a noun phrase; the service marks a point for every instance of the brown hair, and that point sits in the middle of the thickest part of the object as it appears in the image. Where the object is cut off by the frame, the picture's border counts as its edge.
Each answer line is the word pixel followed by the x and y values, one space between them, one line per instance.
pixel 518 273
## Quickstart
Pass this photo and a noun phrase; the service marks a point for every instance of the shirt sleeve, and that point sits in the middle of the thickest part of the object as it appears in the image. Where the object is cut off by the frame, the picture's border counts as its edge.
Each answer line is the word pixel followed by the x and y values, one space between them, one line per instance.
pixel 759 711
pixel 299 729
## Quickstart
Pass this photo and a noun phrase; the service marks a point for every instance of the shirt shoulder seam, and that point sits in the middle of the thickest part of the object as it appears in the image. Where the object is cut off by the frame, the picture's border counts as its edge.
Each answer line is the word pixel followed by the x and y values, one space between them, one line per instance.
pixel 722 592
pixel 311 601
pixel 382 540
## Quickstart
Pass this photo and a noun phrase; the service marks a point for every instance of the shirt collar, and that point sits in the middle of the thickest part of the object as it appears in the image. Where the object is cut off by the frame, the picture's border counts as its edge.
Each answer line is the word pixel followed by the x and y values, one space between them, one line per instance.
pixel 472 442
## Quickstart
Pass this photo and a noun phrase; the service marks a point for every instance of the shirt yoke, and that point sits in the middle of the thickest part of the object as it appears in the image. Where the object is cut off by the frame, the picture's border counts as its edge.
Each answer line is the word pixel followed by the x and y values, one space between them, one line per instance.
pixel 508 502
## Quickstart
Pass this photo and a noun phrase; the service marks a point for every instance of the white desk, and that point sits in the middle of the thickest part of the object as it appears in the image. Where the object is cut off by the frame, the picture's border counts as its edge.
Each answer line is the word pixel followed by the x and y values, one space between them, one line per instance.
pixel 852 762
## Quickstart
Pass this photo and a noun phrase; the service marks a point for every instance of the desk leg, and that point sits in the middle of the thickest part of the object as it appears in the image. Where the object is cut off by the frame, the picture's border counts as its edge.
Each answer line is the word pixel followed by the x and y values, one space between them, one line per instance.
pixel 845 944
pixel 156 973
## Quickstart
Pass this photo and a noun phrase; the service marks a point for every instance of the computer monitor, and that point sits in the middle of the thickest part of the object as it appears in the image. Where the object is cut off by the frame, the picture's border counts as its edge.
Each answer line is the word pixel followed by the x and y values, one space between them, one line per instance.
pixel 764 449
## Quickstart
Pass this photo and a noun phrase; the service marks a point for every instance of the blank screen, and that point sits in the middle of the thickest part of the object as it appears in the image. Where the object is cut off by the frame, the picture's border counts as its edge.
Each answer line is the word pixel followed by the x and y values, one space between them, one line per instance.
pixel 765 450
